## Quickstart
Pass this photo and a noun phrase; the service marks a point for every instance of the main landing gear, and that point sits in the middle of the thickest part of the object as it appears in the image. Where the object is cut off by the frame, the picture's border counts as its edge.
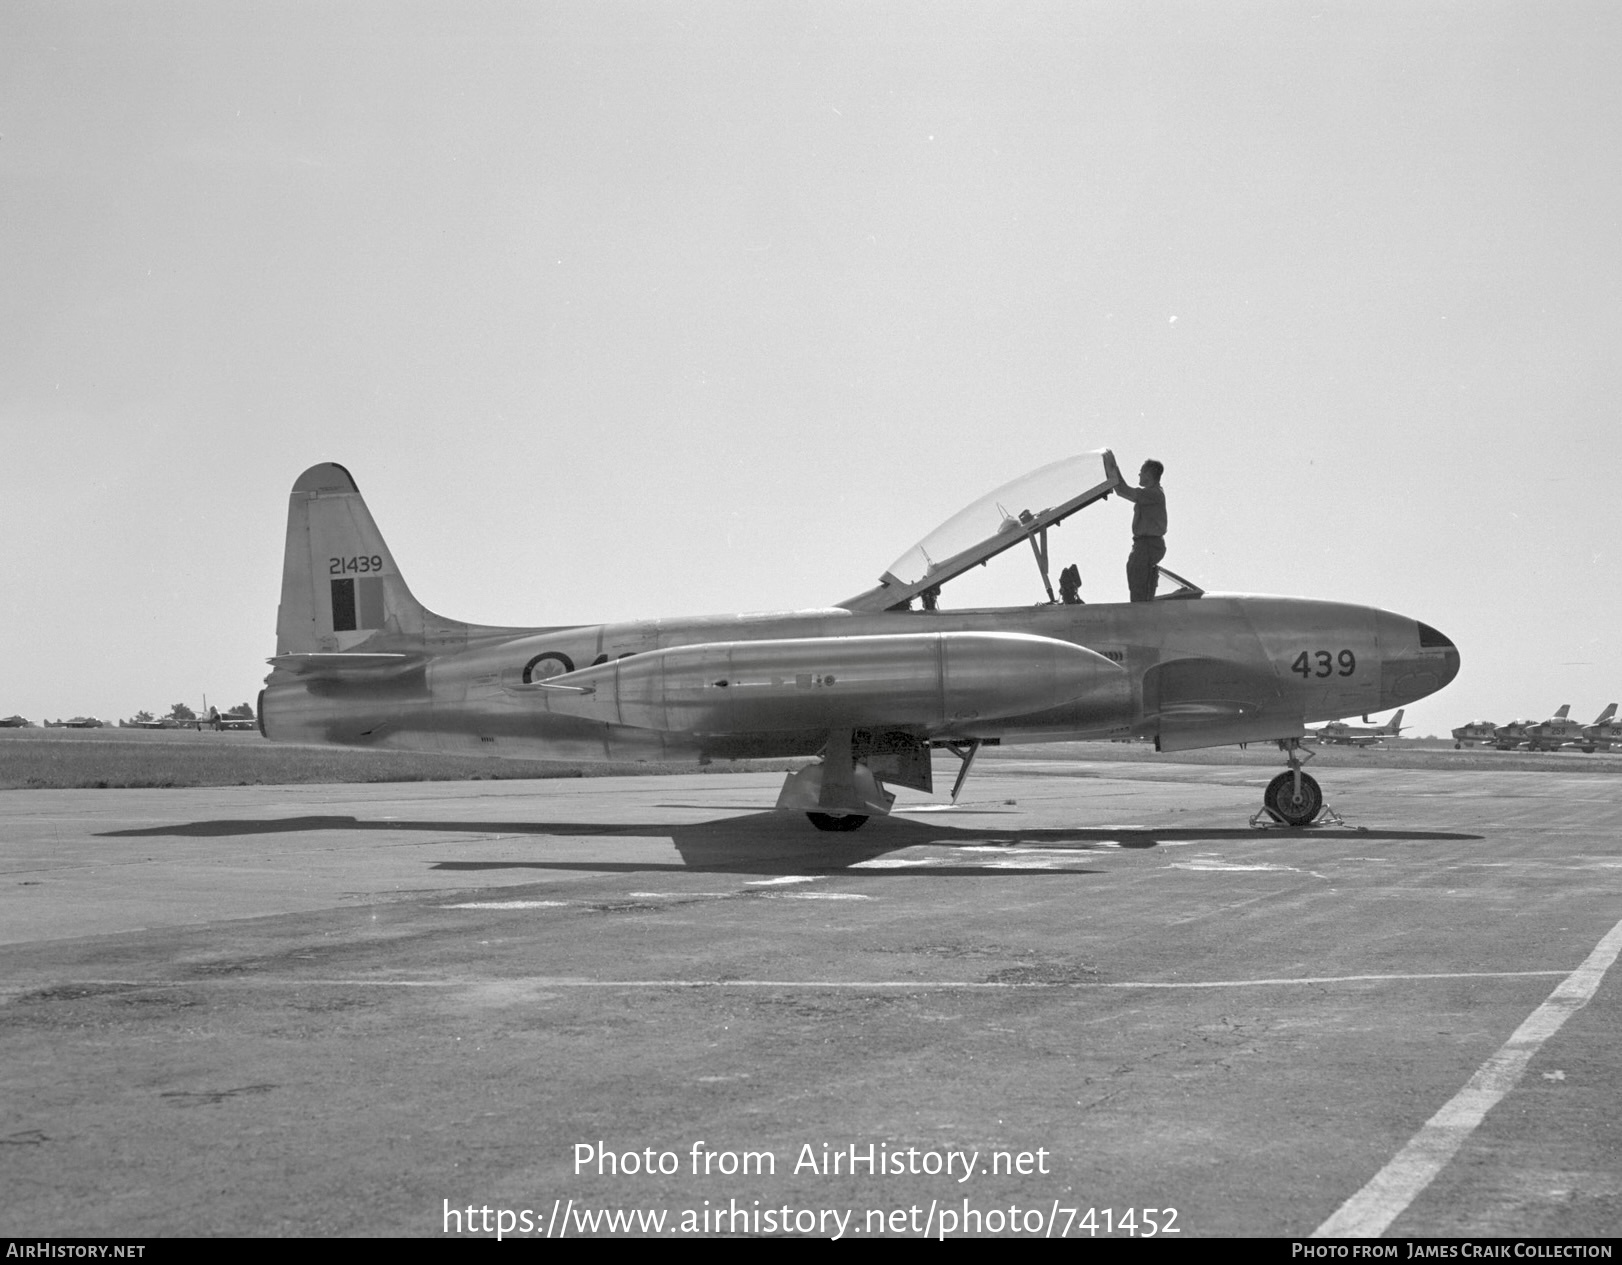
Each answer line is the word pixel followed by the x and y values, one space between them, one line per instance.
pixel 842 792
pixel 837 821
pixel 1293 798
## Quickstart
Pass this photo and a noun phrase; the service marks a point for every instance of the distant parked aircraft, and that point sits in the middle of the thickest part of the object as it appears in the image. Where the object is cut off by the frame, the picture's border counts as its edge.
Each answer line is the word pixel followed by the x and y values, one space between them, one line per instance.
pixel 16 722
pixel 78 722
pixel 1603 734
pixel 1508 737
pixel 1338 733
pixel 1560 730
pixel 1474 732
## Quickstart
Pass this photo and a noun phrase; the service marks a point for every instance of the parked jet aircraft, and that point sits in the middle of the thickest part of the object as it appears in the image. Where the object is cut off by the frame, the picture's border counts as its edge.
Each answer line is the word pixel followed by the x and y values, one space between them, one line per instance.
pixel 1339 733
pixel 870 685
pixel 1603 734
pixel 1508 737
pixel 154 722
pixel 1517 732
pixel 1474 732
pixel 1559 730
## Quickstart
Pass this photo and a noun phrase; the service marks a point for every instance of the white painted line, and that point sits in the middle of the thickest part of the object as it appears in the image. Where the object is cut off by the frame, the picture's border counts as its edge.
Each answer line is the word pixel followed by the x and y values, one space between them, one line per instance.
pixel 813 896
pixel 1326 979
pixel 509 904
pixel 679 895
pixel 1367 1213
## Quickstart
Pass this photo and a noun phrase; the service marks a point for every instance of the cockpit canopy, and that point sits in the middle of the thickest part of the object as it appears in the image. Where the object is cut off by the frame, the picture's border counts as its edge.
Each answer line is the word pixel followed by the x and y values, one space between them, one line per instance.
pixel 1021 510
pixel 1003 512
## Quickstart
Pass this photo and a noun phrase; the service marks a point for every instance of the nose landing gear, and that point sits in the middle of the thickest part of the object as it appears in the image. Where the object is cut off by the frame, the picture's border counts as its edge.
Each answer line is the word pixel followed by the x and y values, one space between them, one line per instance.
pixel 1293 798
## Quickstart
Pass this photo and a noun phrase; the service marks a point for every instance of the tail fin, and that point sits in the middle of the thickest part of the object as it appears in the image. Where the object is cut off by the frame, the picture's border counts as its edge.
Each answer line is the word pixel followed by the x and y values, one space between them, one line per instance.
pixel 1394 725
pixel 1565 708
pixel 1610 710
pixel 340 587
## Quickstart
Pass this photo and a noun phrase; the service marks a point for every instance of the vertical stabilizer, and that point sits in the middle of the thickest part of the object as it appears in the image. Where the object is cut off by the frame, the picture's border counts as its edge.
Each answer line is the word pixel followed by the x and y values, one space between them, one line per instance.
pixel 1565 710
pixel 340 587
pixel 1610 710
pixel 1395 726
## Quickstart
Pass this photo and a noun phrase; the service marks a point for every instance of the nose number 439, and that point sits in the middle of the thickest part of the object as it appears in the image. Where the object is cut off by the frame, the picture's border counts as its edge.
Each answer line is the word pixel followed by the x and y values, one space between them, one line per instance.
pixel 1311 663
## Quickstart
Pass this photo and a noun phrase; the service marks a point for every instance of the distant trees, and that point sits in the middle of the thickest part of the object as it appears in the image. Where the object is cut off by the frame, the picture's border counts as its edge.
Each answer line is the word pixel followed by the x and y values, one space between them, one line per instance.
pixel 142 718
pixel 181 712
pixel 242 711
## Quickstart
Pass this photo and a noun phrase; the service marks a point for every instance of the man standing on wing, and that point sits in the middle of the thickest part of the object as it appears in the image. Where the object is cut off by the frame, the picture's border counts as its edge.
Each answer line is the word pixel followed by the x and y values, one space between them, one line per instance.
pixel 1148 528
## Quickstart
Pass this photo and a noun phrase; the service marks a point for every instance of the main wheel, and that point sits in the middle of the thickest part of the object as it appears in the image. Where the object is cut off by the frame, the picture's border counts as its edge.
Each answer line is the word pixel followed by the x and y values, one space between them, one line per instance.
pixel 1282 801
pixel 836 821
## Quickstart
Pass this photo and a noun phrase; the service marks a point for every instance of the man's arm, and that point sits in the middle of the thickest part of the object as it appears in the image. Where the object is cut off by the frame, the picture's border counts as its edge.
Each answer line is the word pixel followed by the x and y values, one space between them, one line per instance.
pixel 1113 472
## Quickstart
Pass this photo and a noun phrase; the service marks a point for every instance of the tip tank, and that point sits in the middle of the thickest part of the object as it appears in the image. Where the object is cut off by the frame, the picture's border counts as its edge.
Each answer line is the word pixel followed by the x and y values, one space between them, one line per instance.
pixel 923 679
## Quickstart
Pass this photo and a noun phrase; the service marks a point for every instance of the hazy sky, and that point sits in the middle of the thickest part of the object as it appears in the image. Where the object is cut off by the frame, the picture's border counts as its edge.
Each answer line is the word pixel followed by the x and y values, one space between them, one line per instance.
pixel 627 310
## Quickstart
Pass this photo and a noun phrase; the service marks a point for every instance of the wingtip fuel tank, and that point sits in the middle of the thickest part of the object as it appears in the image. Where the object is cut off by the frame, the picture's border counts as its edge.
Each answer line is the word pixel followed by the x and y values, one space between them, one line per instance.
pixel 928 680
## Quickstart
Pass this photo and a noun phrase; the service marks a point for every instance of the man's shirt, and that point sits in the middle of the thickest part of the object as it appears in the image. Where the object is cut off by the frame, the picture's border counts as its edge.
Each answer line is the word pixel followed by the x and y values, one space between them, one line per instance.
pixel 1149 516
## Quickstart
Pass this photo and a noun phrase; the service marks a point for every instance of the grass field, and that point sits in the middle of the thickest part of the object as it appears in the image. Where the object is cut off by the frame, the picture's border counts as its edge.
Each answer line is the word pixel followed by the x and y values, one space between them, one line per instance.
pixel 67 759
pixel 1408 753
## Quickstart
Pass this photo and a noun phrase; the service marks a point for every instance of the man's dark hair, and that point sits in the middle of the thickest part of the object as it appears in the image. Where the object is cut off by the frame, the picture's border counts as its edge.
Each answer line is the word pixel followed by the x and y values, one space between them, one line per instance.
pixel 1154 468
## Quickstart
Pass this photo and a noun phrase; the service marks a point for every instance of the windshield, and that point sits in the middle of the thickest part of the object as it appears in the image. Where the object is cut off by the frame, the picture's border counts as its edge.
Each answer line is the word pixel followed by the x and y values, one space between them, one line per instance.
pixel 997 512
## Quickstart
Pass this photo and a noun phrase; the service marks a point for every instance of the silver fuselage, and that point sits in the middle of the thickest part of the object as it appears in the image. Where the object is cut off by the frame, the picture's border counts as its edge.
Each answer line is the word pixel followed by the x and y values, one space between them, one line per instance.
pixel 1212 671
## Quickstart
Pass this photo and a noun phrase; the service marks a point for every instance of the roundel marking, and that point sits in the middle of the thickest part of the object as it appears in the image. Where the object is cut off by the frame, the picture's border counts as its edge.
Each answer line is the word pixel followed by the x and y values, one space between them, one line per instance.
pixel 543 666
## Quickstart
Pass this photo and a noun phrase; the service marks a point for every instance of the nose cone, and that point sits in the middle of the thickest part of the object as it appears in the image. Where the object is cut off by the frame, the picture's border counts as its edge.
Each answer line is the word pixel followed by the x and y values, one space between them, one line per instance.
pixel 1430 639
pixel 1418 660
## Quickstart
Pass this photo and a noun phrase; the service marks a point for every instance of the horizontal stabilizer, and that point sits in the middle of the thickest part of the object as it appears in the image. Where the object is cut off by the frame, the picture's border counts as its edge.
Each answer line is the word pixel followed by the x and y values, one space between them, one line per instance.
pixel 342 664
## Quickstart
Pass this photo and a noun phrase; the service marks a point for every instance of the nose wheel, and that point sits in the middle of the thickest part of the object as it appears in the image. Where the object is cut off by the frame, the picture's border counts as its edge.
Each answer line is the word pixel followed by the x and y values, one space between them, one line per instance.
pixel 1293 798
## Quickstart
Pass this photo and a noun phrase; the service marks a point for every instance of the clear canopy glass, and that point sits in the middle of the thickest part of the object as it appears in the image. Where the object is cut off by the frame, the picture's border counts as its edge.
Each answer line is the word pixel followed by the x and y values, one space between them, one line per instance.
pixel 1000 511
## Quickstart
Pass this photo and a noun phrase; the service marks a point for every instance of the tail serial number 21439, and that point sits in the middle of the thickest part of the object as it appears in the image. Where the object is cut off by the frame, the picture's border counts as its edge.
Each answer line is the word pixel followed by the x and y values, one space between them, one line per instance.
pixel 360 565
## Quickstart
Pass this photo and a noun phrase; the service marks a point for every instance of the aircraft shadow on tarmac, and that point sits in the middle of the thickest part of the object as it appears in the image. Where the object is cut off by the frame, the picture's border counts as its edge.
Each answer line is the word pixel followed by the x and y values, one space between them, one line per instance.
pixel 781 843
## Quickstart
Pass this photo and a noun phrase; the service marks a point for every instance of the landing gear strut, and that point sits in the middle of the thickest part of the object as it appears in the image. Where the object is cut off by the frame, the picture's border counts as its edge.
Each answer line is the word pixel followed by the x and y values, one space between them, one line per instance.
pixel 1293 798
pixel 838 793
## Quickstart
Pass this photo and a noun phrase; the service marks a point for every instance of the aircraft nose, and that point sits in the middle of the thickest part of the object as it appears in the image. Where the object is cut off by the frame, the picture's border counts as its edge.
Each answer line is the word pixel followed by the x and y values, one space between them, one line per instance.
pixel 1431 639
pixel 1420 660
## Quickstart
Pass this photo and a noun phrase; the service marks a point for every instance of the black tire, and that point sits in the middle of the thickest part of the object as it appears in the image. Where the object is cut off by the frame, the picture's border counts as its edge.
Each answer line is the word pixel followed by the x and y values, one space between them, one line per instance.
pixel 1280 799
pixel 836 821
